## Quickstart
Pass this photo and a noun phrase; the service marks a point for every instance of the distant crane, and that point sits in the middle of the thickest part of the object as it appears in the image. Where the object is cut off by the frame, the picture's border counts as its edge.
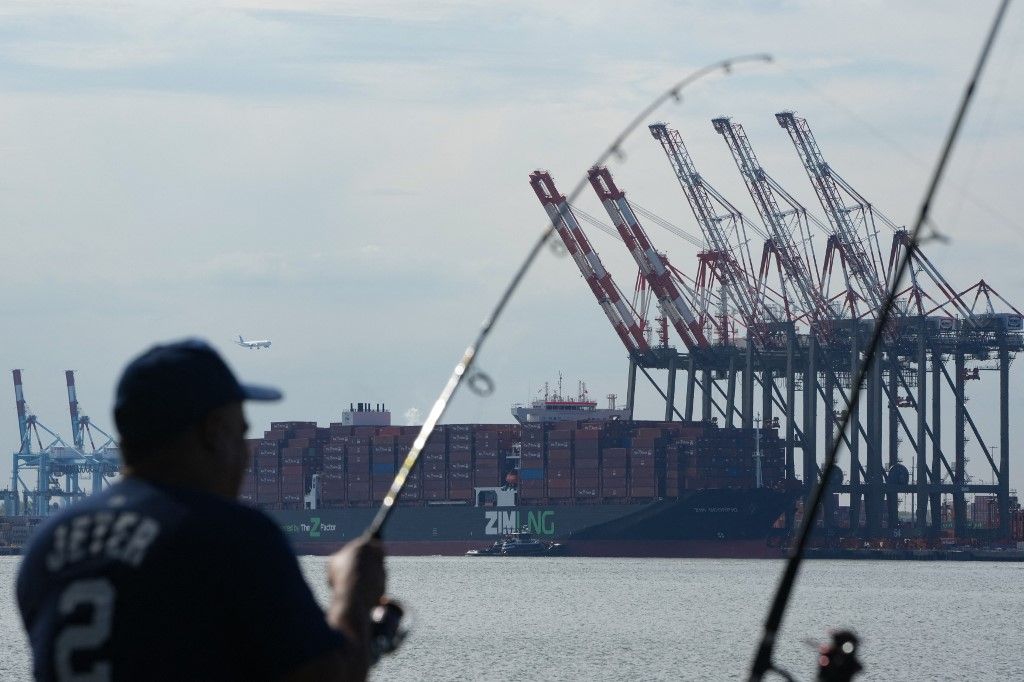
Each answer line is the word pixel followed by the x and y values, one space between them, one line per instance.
pixel 725 229
pixel 652 264
pixel 626 322
pixel 788 229
pixel 847 217
pixel 43 451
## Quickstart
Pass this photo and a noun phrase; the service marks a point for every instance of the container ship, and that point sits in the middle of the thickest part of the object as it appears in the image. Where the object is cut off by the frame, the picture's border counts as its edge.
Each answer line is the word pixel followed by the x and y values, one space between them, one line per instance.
pixel 600 484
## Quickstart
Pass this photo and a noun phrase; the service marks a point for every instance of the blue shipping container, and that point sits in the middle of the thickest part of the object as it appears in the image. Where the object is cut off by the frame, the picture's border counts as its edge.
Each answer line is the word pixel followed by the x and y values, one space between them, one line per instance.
pixel 531 474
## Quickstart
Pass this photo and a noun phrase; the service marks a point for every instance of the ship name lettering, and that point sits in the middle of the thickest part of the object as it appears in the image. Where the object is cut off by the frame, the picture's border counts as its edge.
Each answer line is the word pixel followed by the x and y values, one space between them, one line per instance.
pixel 542 522
pixel 499 523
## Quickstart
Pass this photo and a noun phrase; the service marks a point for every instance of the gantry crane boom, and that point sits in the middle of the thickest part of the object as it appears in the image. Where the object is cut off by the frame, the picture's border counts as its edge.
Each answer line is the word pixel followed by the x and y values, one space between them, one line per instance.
pixel 797 267
pixel 76 421
pixel 864 263
pixel 723 226
pixel 624 319
pixel 651 263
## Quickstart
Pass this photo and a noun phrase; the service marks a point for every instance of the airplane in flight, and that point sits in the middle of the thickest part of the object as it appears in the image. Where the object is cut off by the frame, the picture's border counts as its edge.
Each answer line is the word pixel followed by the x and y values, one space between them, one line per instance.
pixel 252 345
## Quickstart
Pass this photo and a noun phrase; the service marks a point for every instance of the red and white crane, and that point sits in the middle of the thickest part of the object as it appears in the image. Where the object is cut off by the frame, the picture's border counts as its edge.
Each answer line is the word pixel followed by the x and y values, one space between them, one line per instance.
pixel 652 264
pixel 623 318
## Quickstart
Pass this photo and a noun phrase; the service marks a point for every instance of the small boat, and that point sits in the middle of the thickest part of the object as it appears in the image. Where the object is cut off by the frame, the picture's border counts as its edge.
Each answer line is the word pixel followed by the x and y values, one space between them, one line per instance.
pixel 493 550
pixel 521 543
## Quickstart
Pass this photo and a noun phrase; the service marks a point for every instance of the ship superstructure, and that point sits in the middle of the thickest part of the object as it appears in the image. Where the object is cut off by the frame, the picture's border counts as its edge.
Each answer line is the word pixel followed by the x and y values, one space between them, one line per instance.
pixel 555 406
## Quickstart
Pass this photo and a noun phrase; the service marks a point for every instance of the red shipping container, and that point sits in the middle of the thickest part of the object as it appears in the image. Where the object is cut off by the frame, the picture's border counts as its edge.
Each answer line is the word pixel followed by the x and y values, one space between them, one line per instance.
pixel 642 492
pixel 460 456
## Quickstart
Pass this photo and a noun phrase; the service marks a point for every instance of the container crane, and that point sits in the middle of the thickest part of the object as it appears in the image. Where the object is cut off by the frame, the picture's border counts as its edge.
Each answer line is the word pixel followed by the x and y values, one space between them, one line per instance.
pixel 786 228
pixel 848 217
pixel 652 264
pixel 626 322
pixel 77 432
pixel 724 228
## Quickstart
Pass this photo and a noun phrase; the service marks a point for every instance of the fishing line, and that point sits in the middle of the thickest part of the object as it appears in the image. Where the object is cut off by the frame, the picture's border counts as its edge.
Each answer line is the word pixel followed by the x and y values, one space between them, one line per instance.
pixel 763 661
pixel 997 87
pixel 898 146
pixel 463 369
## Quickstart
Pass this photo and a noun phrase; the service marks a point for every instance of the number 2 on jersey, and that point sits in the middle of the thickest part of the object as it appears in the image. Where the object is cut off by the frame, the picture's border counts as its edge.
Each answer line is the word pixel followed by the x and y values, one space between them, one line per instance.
pixel 98 594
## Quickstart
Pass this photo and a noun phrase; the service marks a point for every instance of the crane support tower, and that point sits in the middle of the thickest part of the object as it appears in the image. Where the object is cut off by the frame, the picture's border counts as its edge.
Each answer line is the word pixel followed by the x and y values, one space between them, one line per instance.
pixel 791 349
pixel 46 470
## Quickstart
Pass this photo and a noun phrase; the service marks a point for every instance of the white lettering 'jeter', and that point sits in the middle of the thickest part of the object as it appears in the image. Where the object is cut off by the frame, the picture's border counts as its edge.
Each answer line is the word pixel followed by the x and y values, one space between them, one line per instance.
pixel 123 536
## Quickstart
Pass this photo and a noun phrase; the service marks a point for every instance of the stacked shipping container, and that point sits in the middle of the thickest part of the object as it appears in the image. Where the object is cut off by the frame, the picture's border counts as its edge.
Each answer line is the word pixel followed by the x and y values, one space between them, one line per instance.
pixel 560 463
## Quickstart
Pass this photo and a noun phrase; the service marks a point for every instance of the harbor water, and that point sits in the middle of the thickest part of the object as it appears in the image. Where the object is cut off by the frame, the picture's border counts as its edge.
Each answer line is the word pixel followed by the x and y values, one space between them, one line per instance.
pixel 612 619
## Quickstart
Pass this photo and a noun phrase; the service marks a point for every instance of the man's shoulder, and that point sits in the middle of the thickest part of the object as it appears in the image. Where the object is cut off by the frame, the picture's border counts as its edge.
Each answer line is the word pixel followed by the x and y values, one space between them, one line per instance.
pixel 175 515
pixel 224 524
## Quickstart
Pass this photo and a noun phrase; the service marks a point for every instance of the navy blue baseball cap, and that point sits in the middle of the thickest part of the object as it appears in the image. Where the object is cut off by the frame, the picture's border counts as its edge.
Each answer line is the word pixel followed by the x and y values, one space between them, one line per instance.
pixel 172 386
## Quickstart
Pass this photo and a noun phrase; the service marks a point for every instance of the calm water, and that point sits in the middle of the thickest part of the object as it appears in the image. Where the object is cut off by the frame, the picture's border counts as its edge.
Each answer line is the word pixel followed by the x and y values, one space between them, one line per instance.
pixel 613 619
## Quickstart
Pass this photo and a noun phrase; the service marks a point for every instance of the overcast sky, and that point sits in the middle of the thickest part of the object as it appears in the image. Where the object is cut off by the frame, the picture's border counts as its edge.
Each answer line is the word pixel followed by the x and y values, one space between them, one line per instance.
pixel 349 179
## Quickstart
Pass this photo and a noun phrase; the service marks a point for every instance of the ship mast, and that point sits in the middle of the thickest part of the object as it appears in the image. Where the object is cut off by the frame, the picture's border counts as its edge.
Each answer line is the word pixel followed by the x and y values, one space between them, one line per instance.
pixel 759 480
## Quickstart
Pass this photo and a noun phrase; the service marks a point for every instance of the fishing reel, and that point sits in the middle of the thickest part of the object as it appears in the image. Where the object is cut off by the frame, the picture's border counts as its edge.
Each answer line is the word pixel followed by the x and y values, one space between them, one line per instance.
pixel 837 661
pixel 388 629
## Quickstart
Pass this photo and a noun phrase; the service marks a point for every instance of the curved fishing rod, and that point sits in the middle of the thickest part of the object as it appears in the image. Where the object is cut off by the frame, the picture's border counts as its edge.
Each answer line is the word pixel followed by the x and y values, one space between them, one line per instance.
pixel 481 383
pixel 763 661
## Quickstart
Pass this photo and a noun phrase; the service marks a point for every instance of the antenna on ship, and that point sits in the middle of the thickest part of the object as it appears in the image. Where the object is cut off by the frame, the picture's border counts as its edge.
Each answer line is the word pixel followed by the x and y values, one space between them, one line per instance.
pixel 759 480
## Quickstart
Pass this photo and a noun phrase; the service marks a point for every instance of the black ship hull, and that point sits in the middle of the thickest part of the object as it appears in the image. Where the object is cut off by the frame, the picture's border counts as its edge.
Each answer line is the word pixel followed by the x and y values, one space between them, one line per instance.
pixel 702 523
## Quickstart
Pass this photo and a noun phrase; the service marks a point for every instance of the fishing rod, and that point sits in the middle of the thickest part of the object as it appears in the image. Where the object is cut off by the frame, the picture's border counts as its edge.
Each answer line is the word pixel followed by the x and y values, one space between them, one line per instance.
pixel 845 648
pixel 387 617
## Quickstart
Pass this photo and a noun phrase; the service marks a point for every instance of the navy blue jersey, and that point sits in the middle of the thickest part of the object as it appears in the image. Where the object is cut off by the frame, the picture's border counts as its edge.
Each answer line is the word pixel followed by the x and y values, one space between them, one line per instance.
pixel 153 582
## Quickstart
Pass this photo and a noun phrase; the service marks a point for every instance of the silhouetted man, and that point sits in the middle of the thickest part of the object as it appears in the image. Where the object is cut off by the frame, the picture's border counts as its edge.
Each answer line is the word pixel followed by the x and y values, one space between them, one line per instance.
pixel 164 575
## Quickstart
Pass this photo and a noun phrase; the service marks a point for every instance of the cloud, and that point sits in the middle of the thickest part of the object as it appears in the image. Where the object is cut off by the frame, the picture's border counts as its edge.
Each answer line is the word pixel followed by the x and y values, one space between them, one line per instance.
pixel 274 268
